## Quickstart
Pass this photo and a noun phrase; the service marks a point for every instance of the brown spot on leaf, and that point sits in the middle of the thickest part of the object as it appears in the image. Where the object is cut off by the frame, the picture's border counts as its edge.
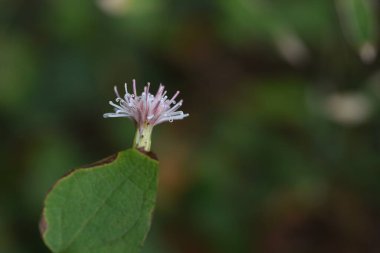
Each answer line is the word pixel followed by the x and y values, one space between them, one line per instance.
pixel 104 161
pixel 148 153
pixel 43 224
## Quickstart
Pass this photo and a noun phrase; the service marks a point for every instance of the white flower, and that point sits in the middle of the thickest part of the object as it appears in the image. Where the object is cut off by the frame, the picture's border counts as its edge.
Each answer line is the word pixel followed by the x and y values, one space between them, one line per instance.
pixel 146 110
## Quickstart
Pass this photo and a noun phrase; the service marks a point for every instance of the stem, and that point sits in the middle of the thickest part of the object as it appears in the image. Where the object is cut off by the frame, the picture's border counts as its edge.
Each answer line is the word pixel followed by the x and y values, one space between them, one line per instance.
pixel 143 137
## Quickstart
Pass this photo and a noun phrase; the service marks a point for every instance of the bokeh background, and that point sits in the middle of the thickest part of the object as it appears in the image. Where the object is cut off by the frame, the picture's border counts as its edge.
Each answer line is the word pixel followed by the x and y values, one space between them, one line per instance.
pixel 281 152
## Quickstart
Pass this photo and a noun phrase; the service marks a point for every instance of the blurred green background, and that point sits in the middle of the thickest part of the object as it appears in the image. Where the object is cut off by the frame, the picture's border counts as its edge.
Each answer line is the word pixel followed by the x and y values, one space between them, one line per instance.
pixel 281 152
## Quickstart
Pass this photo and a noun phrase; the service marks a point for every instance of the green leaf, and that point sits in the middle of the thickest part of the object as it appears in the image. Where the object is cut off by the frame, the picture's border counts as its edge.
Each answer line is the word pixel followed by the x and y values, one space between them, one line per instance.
pixel 104 208
pixel 358 19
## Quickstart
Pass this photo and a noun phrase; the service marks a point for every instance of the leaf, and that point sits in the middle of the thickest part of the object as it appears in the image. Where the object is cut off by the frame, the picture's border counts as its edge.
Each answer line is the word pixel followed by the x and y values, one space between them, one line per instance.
pixel 105 208
pixel 358 19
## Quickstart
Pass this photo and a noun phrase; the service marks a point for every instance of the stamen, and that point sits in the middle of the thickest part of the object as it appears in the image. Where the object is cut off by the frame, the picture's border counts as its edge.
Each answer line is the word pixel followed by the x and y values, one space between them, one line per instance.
pixel 147 89
pixel 116 92
pixel 134 87
pixel 172 100
pixel 126 89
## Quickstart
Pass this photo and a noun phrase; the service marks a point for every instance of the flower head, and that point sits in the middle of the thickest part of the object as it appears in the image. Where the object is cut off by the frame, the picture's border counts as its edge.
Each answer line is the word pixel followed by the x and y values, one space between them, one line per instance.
pixel 147 110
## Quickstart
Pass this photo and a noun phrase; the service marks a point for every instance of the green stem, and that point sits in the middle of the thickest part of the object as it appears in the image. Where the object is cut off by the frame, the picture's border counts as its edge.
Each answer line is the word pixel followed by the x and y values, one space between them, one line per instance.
pixel 143 137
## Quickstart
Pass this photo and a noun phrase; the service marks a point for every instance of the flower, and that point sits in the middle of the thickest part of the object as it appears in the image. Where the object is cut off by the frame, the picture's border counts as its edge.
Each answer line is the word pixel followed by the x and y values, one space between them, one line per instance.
pixel 146 111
